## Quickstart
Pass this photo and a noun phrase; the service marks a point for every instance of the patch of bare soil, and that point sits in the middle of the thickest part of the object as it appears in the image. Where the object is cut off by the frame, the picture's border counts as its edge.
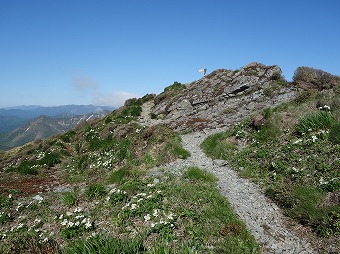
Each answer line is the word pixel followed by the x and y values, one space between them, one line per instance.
pixel 29 185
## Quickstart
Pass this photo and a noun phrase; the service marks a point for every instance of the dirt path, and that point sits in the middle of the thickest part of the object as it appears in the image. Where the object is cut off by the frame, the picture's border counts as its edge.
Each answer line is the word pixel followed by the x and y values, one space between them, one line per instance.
pixel 262 217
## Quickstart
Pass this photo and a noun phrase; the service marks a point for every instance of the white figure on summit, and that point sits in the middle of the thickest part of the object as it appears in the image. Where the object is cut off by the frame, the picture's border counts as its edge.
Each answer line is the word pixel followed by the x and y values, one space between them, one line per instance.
pixel 203 70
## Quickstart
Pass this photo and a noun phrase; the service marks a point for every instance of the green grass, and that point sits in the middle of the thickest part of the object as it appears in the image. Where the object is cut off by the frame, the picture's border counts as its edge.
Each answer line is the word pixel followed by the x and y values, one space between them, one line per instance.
pixel 297 171
pixel 194 173
pixel 216 146
pixel 95 191
pixel 139 214
pixel 334 134
pixel 104 244
pixel 26 168
pixel 118 175
pixel 69 198
pixel 315 121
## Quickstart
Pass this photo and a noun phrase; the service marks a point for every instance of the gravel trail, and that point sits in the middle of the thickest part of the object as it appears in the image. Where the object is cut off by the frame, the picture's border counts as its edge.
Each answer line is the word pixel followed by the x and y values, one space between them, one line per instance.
pixel 262 217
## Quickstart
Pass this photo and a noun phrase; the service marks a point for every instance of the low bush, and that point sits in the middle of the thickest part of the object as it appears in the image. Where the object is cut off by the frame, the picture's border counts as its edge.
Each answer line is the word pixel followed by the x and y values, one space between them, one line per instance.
pixel 315 78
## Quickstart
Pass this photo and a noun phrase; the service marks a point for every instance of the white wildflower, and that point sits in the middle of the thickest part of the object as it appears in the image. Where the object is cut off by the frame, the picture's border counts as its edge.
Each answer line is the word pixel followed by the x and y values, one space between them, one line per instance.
pixel 38 198
pixel 322 181
pixel 64 222
pixel 141 194
pixel 45 240
pixel 19 206
pixel 9 196
pixel 88 224
pixel 21 225
pixel 79 216
pixel 155 213
pixel 314 138
pixel 37 221
pixel 78 210
pixel 70 224
pixel 69 213
pixel 170 216
pixel 153 225
pixel 133 206
pixel 147 217
pixel 298 141
pixel 61 216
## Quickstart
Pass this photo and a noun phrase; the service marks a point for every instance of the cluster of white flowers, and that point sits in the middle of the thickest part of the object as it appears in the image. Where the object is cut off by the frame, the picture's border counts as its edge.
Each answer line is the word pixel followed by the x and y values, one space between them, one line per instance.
pixel 75 219
pixel 138 130
pixel 322 181
pixel 19 207
pixel 325 107
pixel 40 155
pixel 139 197
pixel 239 133
pixel 91 134
pixel 313 136
pixel 296 170
pixel 159 218
pixel 102 160
pixel 156 217
pixel 3 214
pixel 116 190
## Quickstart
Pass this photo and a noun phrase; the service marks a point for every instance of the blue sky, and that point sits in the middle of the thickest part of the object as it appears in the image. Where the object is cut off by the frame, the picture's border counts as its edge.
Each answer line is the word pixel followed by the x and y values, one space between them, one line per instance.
pixel 103 52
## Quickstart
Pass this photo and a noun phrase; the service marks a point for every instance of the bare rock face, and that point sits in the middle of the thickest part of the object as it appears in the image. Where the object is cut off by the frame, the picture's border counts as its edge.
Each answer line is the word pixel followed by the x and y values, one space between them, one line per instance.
pixel 223 95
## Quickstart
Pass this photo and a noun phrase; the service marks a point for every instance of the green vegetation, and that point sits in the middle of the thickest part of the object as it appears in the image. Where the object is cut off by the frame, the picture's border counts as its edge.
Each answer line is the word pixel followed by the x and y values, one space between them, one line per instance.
pixel 315 121
pixel 104 244
pixel 139 214
pixel 69 198
pixel 95 191
pixel 115 205
pixel 315 78
pixel 194 173
pixel 294 156
pixel 169 92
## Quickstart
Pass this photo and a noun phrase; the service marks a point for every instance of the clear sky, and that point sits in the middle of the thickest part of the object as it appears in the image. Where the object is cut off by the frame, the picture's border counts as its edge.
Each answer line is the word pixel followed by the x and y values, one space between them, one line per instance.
pixel 103 52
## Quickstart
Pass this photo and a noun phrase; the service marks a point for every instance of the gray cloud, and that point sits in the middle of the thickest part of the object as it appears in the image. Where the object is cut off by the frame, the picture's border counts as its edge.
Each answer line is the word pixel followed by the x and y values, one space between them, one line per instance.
pixel 84 82
pixel 89 87
pixel 115 99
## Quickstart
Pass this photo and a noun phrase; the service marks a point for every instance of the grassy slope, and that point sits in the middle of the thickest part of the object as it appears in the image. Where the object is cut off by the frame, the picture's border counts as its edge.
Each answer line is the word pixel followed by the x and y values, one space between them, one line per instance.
pixel 109 200
pixel 294 156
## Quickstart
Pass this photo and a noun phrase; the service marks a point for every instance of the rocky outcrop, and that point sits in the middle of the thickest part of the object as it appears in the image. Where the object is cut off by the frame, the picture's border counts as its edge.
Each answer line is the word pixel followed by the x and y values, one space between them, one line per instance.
pixel 223 95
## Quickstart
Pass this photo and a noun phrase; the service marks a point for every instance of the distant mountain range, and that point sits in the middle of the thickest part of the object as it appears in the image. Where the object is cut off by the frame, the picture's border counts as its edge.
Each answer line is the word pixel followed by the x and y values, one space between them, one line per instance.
pixel 22 124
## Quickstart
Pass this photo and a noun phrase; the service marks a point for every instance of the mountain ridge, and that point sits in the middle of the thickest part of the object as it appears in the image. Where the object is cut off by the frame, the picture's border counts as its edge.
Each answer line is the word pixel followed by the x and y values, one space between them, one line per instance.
pixel 107 167
pixel 44 127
